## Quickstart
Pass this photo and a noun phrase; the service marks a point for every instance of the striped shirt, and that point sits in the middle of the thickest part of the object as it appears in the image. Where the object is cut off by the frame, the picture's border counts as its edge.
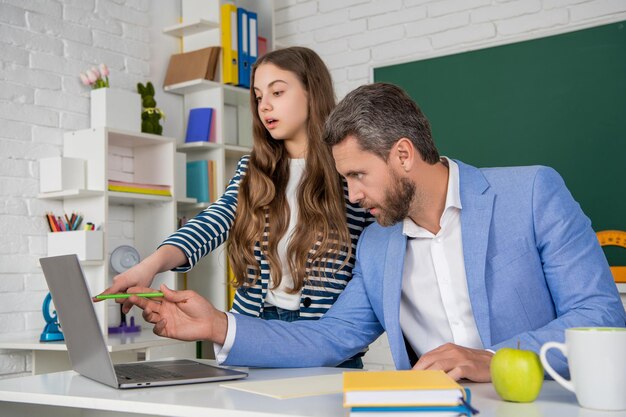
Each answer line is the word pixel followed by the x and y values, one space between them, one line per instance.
pixel 209 229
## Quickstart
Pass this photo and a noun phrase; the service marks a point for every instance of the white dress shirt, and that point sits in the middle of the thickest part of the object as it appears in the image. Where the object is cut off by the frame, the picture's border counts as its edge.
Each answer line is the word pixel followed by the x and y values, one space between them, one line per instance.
pixel 435 306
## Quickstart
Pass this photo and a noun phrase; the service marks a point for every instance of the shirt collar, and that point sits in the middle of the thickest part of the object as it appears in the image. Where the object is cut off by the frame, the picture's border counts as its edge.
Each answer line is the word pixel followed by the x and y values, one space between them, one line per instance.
pixel 453 201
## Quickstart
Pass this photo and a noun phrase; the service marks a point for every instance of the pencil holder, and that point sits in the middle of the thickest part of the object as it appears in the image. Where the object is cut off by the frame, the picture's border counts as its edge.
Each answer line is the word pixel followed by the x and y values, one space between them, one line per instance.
pixel 86 244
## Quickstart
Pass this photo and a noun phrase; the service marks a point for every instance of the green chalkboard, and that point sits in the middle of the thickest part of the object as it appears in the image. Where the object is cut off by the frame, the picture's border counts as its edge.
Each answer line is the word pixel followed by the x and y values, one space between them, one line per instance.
pixel 558 101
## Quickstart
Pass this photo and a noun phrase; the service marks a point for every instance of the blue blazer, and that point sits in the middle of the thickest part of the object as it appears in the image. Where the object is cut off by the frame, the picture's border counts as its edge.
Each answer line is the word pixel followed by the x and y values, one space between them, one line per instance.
pixel 533 263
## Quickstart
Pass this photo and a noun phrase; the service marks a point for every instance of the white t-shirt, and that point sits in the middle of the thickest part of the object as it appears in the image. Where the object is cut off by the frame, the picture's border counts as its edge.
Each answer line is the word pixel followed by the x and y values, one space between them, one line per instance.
pixel 279 297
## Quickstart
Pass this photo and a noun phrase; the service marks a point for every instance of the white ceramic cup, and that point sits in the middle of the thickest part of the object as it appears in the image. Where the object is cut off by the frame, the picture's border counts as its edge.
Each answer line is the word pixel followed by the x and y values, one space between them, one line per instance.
pixel 597 362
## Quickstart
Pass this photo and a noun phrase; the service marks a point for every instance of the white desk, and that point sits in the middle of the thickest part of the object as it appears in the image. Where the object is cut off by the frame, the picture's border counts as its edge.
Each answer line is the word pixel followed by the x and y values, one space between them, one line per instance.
pixel 69 395
pixel 125 347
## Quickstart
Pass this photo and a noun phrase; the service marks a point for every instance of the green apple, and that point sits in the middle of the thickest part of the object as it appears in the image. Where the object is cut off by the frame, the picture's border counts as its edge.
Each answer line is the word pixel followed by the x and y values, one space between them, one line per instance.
pixel 517 374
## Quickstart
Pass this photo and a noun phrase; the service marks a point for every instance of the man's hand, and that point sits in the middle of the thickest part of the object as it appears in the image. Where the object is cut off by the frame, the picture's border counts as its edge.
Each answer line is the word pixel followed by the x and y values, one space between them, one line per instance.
pixel 458 362
pixel 182 315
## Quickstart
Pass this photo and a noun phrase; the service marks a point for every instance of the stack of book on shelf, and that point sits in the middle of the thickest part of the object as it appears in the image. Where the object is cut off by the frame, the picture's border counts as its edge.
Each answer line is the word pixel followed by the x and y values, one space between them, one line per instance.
pixel 405 393
pixel 139 188
pixel 201 180
pixel 201 125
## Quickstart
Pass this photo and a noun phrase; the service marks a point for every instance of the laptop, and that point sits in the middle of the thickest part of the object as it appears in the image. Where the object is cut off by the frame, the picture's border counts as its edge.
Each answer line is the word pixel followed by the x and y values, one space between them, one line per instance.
pixel 86 346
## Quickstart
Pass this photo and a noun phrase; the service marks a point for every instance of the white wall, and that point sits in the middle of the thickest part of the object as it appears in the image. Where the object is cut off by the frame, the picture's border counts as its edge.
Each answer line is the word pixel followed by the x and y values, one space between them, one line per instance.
pixel 353 36
pixel 45 43
pixel 43 46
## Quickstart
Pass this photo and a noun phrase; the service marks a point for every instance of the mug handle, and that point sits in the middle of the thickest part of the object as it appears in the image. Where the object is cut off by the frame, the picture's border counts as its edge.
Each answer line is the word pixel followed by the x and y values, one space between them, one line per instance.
pixel 544 361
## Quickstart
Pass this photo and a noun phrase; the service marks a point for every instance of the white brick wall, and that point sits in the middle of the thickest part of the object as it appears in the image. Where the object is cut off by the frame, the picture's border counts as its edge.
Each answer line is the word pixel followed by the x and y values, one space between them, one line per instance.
pixel 354 36
pixel 43 47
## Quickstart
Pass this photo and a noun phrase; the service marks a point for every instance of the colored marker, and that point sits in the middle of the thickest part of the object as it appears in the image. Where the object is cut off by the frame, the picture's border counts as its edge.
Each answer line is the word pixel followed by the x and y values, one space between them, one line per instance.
pixel 127 295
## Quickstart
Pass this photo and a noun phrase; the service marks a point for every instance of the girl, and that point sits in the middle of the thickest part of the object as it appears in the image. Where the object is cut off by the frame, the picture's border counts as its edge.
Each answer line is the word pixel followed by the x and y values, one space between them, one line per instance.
pixel 291 231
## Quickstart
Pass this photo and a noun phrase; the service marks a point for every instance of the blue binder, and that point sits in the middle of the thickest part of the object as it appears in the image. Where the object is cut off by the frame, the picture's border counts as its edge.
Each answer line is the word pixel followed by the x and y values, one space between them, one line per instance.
pixel 243 40
pixel 253 30
pixel 199 125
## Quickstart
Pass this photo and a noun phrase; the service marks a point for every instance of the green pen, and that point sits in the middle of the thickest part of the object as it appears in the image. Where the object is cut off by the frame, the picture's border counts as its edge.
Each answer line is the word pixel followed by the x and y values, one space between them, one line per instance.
pixel 127 295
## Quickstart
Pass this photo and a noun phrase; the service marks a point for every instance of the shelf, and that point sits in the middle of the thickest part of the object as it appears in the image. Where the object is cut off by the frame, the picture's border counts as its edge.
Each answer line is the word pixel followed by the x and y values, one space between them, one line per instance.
pixel 91 263
pixel 198 205
pixel 136 139
pixel 82 263
pixel 69 194
pixel 134 198
pixel 236 151
pixel 115 342
pixel 186 201
pixel 198 146
pixel 233 126
pixel 125 138
pixel 230 150
pixel 199 84
pixel 191 28
pixel 621 287
pixel 188 204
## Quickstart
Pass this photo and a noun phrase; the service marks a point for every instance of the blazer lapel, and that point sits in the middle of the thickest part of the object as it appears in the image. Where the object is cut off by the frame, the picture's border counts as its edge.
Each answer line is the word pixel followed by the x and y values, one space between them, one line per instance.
pixel 392 289
pixel 476 215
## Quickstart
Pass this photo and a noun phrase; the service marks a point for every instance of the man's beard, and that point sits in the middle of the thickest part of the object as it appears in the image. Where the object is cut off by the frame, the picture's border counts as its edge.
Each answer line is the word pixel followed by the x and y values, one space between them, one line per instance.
pixel 397 203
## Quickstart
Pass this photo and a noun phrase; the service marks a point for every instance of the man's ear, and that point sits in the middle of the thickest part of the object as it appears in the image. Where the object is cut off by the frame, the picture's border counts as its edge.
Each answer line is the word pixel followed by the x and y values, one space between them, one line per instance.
pixel 405 154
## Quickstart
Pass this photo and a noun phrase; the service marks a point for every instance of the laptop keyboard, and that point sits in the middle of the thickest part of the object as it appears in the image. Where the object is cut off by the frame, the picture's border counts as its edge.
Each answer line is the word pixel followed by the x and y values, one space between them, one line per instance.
pixel 144 372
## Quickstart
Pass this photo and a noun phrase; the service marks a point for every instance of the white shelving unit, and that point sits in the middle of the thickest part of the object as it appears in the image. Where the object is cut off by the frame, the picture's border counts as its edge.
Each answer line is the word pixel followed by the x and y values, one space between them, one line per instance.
pixel 200 28
pixel 154 216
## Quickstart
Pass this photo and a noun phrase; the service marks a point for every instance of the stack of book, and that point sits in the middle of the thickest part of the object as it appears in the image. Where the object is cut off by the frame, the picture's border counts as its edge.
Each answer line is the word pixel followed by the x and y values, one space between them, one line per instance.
pixel 139 188
pixel 404 393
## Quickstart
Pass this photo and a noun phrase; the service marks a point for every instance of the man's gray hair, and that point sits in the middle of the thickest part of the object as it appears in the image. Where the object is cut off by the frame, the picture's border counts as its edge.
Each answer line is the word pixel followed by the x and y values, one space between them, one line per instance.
pixel 377 116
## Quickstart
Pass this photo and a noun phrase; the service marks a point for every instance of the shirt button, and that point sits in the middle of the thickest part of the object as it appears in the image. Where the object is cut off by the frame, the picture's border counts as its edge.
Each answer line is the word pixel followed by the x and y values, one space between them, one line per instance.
pixel 438 239
pixel 306 302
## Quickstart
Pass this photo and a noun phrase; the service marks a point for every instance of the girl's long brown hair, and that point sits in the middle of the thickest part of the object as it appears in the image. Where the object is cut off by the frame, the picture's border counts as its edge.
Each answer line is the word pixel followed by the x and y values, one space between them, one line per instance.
pixel 321 204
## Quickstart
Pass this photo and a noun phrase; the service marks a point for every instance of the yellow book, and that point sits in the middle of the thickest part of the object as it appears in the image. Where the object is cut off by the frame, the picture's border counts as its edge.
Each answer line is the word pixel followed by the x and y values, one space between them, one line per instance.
pixel 230 59
pixel 139 190
pixel 400 388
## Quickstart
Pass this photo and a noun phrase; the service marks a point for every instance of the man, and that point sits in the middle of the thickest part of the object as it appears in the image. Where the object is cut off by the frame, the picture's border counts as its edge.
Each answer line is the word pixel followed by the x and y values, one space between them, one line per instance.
pixel 463 262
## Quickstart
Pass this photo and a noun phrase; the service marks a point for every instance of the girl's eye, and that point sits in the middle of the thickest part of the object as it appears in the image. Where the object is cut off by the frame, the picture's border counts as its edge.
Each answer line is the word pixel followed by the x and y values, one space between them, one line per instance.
pixel 258 99
pixel 277 93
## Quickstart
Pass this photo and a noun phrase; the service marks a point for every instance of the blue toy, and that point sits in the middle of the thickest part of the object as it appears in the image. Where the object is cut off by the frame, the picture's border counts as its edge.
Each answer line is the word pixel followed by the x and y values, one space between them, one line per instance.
pixel 52 332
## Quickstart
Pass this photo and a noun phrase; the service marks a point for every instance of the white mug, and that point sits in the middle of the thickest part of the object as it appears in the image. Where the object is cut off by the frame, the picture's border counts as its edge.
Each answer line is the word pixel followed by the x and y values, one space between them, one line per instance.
pixel 597 362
